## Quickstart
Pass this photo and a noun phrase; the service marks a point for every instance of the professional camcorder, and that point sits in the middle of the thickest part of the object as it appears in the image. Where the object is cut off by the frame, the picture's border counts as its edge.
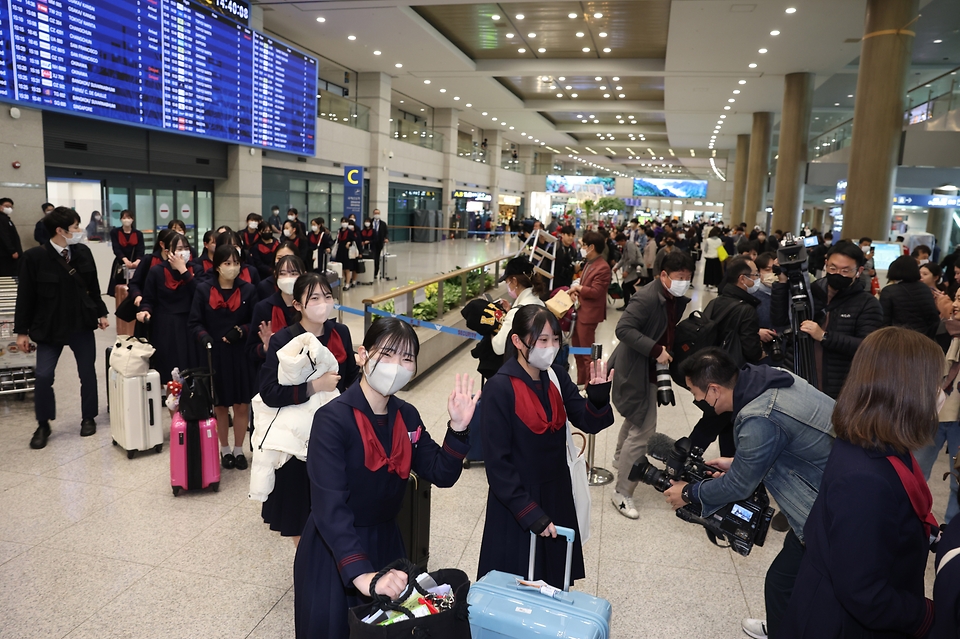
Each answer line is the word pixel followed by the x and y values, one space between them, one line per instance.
pixel 792 258
pixel 742 524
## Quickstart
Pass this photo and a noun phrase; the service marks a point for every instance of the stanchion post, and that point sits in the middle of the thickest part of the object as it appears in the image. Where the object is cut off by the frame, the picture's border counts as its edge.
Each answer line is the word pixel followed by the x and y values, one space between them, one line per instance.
pixel 598 476
pixel 440 298
pixel 367 318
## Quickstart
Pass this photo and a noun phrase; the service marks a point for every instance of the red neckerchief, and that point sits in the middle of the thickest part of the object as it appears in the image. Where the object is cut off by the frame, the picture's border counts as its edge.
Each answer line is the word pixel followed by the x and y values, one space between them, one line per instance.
pixel 206 263
pixel 335 346
pixel 170 281
pixel 374 457
pixel 531 412
pixel 342 236
pixel 247 240
pixel 278 319
pixel 267 248
pixel 918 492
pixel 314 238
pixel 216 299
pixel 127 240
pixel 245 275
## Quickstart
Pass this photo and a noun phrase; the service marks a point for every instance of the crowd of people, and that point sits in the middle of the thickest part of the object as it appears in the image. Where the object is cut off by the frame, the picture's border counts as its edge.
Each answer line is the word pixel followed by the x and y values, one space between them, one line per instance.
pixel 846 454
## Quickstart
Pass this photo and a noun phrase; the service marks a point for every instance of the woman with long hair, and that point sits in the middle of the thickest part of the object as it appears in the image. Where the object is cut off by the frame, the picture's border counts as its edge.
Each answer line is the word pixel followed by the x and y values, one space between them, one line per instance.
pixel 128 247
pixel 869 532
pixel 346 238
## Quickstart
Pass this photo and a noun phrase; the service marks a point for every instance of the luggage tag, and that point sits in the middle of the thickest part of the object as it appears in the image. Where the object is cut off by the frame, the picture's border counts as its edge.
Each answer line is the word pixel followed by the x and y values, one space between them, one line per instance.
pixel 542 586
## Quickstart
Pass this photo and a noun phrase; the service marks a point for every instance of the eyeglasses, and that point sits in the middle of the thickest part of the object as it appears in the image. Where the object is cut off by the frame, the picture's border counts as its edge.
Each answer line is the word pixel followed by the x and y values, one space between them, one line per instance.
pixel 846 272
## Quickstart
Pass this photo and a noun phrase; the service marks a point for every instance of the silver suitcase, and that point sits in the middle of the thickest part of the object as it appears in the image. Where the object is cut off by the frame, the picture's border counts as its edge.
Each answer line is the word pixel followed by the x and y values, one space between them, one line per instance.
pixel 387 266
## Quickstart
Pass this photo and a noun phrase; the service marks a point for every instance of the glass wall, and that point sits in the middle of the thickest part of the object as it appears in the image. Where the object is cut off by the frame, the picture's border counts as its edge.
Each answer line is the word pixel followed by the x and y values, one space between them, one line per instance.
pixel 404 199
pixel 313 195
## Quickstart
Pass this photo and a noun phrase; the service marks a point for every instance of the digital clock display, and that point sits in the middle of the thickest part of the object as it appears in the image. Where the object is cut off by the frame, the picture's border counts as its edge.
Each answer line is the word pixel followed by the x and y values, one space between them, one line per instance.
pixel 175 65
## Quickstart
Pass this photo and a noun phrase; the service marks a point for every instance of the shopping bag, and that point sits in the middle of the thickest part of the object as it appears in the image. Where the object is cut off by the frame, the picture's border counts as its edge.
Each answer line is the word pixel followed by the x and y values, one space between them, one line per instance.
pixel 353 252
pixel 722 253
pixel 560 303
pixel 131 356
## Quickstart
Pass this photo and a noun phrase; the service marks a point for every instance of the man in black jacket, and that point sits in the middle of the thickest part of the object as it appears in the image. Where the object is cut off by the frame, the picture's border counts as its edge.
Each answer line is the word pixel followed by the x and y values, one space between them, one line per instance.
pixel 40 231
pixel 565 265
pixel 10 248
pixel 380 240
pixel 844 313
pixel 59 304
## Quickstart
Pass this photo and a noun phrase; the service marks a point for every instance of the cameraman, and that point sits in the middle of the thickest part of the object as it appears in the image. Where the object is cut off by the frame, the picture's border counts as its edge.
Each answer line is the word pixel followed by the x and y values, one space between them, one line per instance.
pixel 783 437
pixel 844 313
pixel 646 331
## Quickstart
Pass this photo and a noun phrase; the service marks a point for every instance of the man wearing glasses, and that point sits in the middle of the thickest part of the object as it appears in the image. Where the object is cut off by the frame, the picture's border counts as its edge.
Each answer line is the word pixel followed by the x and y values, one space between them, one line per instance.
pixel 843 314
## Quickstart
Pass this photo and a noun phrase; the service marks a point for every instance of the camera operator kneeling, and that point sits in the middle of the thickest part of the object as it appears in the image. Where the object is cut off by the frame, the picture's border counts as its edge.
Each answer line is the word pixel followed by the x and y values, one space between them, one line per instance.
pixel 782 430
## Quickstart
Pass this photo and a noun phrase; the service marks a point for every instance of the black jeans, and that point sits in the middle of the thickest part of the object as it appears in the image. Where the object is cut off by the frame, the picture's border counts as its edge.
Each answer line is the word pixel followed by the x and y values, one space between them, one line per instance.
pixel 629 288
pixel 781 577
pixel 711 428
pixel 84 347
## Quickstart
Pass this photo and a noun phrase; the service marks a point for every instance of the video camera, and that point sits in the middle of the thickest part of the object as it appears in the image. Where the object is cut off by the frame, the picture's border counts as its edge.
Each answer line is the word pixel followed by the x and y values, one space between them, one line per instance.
pixel 742 524
pixel 792 258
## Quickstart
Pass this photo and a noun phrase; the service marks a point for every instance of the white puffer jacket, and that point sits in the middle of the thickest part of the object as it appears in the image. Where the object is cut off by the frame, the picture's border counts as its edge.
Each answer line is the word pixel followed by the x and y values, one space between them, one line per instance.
pixel 282 433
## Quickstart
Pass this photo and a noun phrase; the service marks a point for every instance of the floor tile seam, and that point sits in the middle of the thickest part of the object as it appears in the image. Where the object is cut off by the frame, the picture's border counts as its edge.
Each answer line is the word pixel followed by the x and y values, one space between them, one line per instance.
pixel 112 599
pixel 65 462
pixel 188 571
pixel 267 614
pixel 92 555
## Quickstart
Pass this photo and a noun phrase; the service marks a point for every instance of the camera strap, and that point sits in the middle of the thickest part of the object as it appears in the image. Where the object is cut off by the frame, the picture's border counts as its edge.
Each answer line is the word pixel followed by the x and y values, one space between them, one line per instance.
pixel 713 539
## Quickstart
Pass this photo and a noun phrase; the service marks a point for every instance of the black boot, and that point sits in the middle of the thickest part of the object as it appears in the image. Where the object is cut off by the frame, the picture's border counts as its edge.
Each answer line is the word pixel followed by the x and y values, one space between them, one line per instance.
pixel 39 439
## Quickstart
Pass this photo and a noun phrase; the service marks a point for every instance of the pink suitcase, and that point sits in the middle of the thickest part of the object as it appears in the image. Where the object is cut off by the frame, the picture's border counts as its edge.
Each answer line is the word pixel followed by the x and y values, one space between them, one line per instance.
pixel 194 454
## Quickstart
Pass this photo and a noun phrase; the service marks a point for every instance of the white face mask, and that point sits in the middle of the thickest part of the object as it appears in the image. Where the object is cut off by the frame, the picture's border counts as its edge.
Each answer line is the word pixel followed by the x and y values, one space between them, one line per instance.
pixel 387 379
pixel 253 226
pixel 76 238
pixel 317 313
pixel 275 212
pixel 285 284
pixel 366 224
pixel 754 287
pixel 127 223
pixel 315 228
pixel 376 217
pixel 287 232
pixel 679 287
pixel 827 242
pixel 583 252
pixel 924 261
pixel 343 225
pixel 866 249
pixel 291 217
pixel 542 358
pixel 184 255
pixel 8 210
pixel 230 271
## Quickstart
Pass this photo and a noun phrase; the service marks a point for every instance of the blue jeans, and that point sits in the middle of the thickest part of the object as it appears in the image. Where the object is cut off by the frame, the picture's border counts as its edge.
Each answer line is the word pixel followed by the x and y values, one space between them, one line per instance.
pixel 949 433
pixel 84 347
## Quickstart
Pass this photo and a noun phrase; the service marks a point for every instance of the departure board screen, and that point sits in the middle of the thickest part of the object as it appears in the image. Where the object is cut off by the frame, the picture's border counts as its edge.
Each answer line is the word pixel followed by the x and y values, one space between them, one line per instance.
pixel 168 64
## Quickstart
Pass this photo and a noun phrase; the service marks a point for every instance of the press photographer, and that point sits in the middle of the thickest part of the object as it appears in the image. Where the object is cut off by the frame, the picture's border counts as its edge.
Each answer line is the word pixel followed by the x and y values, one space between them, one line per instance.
pixel 783 436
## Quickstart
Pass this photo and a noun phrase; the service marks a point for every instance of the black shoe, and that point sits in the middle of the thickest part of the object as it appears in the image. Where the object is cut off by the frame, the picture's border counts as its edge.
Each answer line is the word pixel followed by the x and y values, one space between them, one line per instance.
pixel 88 427
pixel 240 462
pixel 780 523
pixel 39 439
pixel 228 460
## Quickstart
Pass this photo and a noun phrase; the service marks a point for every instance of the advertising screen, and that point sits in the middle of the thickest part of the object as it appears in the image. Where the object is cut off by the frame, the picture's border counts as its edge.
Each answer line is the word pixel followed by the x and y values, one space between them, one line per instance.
pixel 651 187
pixel 884 253
pixel 574 183
pixel 173 65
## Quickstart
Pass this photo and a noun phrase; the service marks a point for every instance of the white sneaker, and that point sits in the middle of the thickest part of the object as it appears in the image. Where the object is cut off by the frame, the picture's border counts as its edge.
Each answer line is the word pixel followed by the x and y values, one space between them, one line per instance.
pixel 756 628
pixel 625 507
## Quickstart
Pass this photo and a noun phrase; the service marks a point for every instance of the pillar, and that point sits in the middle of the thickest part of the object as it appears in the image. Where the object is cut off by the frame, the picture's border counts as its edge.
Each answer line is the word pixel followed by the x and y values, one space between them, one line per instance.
pixel 792 163
pixel 373 91
pixel 21 140
pixel 446 121
pixel 757 168
pixel 940 221
pixel 885 52
pixel 526 154
pixel 242 192
pixel 740 178
pixel 819 219
pixel 494 153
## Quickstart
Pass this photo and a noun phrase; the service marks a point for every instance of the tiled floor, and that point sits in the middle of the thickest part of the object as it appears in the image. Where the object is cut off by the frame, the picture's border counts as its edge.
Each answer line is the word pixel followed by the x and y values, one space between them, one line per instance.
pixel 95 545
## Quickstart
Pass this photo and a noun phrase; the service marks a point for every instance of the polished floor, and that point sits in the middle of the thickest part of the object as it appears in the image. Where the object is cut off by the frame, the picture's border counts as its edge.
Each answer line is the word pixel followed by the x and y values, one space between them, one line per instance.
pixel 95 545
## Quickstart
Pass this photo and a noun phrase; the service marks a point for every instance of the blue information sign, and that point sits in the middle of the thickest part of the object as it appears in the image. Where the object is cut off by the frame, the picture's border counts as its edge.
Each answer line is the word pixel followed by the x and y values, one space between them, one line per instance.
pixel 353 191
pixel 936 201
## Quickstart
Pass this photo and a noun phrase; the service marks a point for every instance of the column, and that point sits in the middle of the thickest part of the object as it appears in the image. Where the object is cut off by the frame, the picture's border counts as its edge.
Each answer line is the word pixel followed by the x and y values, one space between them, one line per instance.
pixel 757 168
pixel 494 151
pixel 21 140
pixel 792 163
pixel 526 154
pixel 741 162
pixel 241 193
pixel 373 91
pixel 818 220
pixel 878 117
pixel 940 221
pixel 446 121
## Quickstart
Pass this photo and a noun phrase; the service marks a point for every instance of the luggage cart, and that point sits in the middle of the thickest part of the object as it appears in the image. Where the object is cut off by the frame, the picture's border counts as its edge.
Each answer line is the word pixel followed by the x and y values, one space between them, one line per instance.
pixel 17 370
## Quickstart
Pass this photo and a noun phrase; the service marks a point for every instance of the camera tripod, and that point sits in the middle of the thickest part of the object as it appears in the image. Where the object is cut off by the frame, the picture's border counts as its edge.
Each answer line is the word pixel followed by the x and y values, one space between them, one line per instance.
pixel 801 310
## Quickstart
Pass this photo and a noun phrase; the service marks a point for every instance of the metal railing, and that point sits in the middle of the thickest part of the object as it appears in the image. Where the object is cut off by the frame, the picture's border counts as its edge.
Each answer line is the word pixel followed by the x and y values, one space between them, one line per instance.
pixel 932 100
pixel 514 165
pixel 408 293
pixel 419 134
pixel 335 108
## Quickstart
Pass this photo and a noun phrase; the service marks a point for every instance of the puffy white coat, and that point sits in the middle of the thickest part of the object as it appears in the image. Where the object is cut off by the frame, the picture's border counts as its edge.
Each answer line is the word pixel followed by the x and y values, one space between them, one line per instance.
pixel 282 433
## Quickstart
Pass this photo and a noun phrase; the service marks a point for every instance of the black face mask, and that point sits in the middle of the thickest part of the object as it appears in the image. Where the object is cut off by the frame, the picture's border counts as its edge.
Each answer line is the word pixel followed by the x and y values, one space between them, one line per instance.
pixel 704 405
pixel 838 282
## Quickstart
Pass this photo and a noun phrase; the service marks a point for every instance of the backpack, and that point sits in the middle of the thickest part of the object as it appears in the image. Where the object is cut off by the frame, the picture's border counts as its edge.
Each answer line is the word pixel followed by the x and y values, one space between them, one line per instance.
pixel 701 330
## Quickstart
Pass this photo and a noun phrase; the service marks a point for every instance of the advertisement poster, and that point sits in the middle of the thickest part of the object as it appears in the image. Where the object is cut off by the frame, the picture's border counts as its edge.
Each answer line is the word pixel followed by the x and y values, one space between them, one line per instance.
pixel 651 187
pixel 574 183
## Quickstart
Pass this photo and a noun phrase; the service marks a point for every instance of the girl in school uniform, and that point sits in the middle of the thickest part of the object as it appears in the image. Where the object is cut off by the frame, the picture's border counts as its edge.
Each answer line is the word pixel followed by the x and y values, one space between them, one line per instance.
pixel 275 311
pixel 128 247
pixel 247 273
pixel 367 238
pixel 288 506
pixel 263 255
pixel 346 238
pixel 204 262
pixel 524 443
pixel 139 280
pixel 250 236
pixel 321 240
pixel 268 286
pixel 362 448
pixel 166 303
pixel 291 233
pixel 220 316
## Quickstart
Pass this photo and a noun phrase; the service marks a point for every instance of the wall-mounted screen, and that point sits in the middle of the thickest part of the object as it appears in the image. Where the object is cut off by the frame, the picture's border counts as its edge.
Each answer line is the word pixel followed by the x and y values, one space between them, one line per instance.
pixel 588 183
pixel 167 64
pixel 651 187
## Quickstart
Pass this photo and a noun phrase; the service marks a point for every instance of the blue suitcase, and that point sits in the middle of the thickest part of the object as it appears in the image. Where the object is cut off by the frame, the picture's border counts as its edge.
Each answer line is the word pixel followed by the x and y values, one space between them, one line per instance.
pixel 501 608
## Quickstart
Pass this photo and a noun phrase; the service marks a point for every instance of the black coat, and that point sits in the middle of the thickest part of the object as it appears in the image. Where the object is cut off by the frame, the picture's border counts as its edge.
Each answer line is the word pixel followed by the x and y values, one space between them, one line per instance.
pixel 866 551
pixel 9 246
pixel 738 309
pixel 51 305
pixel 848 318
pixel 946 590
pixel 910 305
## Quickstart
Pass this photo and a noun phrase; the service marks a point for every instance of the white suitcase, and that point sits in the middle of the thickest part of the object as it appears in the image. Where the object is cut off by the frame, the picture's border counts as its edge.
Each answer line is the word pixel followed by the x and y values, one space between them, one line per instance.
pixel 337 268
pixel 386 267
pixel 135 412
pixel 367 276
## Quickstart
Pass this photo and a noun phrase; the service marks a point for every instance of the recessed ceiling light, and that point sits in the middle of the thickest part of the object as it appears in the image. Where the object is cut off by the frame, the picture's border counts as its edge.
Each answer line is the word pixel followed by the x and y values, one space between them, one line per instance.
pixel 732 100
pixel 579 115
pixel 937 41
pixel 598 15
pixel 559 95
pixel 399 65
pixel 456 97
pixel 606 49
pixel 621 121
pixel 616 79
pixel 791 10
pixel 586 49
pixel 423 109
pixel 443 90
pixel 752 65
pixel 401 101
pixel 509 35
pixel 579 34
pixel 596 121
pixel 602 34
pixel 603 87
pixel 561 78
pixel 321 19
pixel 850 96
pixel 621 95
pixel 619 88
pixel 519 16
pixel 742 82
pixel 761 51
pixel 426 81
pixel 606 95
pixel 541 50
pixel 571 15
pixel 573 95
pixel 774 33
pixel 521 50
pixel 736 91
pixel 494 119
pixel 352 37
pixel 483 113
pixel 494 17
pixel 376 53
pixel 468 104
pixel 511 128
pixel 719 121
pixel 836 104
pixel 722 117
pixel 726 108
pixel 568 87
pixel 531 35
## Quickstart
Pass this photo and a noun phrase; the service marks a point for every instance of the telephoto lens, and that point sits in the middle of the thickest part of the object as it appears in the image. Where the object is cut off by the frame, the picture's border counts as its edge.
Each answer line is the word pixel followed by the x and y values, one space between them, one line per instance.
pixel 776 348
pixel 664 386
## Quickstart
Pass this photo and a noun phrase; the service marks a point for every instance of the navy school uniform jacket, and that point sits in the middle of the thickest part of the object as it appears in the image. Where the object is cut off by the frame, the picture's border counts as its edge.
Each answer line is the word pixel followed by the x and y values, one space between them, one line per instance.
pixel 129 245
pixel 216 323
pixel 168 297
pixel 336 337
pixel 202 264
pixel 168 291
pixel 247 274
pixel 528 474
pixel 139 280
pixel 946 590
pixel 352 528
pixel 263 256
pixel 266 287
pixel 273 309
pixel 249 238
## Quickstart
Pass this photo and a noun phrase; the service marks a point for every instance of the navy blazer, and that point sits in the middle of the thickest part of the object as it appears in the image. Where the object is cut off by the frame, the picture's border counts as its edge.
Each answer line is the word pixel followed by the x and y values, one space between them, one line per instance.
pixel 866 551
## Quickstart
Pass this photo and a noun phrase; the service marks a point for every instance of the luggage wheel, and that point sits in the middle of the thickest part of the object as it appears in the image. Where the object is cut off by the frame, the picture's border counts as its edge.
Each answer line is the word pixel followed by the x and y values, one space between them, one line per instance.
pixel 115 443
pixel 131 454
pixel 466 463
pixel 158 448
pixel 215 486
pixel 176 491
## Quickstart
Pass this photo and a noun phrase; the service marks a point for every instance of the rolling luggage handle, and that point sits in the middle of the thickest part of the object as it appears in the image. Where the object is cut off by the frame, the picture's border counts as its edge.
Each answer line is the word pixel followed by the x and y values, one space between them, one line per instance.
pixel 561 532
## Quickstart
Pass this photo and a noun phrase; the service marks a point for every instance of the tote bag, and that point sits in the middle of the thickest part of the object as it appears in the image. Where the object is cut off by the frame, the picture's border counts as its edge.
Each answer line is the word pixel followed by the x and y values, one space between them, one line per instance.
pixel 579 480
pixel 131 356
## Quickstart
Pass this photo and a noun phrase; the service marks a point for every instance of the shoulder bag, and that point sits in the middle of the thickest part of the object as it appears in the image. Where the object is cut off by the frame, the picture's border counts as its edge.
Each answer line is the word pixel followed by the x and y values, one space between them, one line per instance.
pixel 579 481
pixel 130 356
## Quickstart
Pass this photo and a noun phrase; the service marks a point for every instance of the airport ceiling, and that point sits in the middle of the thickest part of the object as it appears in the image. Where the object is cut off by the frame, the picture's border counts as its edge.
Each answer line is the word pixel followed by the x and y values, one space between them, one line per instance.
pixel 682 76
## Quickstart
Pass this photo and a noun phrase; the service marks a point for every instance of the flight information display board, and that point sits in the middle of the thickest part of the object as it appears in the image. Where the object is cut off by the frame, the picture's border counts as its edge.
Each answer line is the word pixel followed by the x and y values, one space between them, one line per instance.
pixel 168 64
